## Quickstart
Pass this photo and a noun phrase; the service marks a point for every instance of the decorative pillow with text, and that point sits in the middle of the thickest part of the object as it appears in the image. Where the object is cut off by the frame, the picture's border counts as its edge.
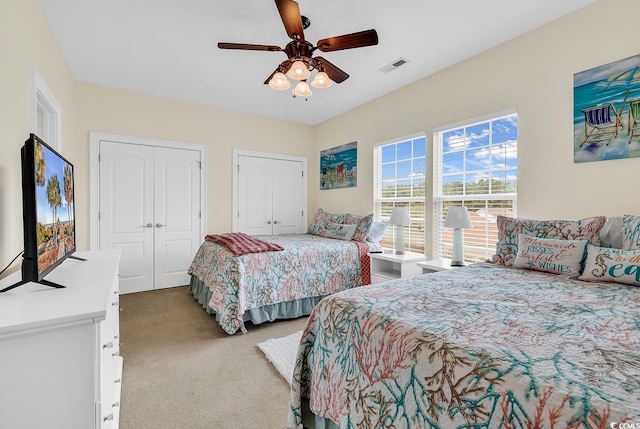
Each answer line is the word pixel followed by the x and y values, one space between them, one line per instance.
pixel 340 231
pixel 509 228
pixel 550 255
pixel 605 264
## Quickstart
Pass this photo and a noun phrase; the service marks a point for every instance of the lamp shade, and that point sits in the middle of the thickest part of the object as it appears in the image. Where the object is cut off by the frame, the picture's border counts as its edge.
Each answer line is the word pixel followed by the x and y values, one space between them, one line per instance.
pixel 302 89
pixel 458 217
pixel 298 71
pixel 400 216
pixel 279 81
pixel 321 80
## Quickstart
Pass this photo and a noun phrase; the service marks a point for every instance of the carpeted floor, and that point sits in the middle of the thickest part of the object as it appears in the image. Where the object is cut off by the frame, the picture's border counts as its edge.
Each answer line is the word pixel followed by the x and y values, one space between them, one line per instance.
pixel 182 371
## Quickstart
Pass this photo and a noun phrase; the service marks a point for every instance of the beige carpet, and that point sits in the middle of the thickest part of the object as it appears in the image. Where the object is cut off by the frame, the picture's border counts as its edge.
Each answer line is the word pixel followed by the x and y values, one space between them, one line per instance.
pixel 182 371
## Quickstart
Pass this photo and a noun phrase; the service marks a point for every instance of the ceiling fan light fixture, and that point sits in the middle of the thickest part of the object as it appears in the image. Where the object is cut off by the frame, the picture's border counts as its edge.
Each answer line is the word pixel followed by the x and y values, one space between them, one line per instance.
pixel 302 89
pixel 321 80
pixel 279 81
pixel 298 71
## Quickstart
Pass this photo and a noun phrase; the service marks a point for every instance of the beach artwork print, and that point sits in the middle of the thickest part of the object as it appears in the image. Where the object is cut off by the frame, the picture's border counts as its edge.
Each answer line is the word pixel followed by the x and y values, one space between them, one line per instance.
pixel 606 111
pixel 338 166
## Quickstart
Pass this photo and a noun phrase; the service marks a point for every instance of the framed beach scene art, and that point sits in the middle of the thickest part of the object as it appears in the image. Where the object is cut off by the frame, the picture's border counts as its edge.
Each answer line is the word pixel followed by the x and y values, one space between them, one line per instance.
pixel 606 111
pixel 338 166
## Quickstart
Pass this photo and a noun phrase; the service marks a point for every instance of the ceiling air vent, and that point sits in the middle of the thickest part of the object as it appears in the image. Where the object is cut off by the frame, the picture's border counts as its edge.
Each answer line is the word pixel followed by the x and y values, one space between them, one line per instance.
pixel 394 65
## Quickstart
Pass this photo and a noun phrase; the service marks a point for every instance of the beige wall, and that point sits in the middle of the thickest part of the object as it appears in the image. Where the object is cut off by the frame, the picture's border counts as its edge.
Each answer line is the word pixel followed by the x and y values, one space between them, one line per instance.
pixel 128 113
pixel 532 74
pixel 26 43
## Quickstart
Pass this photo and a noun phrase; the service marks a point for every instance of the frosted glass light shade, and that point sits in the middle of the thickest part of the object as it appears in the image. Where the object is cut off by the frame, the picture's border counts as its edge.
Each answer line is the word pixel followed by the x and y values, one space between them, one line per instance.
pixel 279 81
pixel 298 71
pixel 321 81
pixel 302 89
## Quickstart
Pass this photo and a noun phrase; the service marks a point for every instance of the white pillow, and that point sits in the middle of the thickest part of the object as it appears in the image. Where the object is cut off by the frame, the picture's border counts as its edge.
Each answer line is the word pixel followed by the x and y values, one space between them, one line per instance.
pixel 376 232
pixel 604 264
pixel 551 255
pixel 340 231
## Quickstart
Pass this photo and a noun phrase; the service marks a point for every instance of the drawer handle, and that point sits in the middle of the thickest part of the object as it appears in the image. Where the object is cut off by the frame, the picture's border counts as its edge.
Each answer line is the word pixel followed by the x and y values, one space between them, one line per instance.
pixel 114 303
pixel 115 354
pixel 109 417
pixel 118 380
pixel 108 345
pixel 116 404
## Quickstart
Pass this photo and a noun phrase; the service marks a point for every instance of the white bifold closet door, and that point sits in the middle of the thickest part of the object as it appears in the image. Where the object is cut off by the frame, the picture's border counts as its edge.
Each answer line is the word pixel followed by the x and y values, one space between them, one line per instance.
pixel 150 209
pixel 270 195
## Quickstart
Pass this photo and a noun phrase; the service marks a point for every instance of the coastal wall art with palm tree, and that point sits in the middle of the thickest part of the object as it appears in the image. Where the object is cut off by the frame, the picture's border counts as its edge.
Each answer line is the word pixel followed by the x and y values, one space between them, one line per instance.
pixel 54 199
pixel 606 111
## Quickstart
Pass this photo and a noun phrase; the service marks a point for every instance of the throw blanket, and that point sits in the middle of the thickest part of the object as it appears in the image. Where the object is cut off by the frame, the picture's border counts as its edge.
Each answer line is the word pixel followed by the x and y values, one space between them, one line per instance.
pixel 239 243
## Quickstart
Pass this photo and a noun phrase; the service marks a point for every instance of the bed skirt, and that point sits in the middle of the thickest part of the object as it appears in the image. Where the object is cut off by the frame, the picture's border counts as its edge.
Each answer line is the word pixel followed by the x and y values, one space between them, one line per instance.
pixel 269 313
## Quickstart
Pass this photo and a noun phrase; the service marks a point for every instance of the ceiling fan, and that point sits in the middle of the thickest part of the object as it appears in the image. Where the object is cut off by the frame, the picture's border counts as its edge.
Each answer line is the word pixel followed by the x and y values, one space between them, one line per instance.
pixel 300 60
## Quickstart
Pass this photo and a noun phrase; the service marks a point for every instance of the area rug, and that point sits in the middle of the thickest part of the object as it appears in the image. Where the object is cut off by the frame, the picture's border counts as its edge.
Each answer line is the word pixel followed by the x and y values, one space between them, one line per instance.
pixel 281 352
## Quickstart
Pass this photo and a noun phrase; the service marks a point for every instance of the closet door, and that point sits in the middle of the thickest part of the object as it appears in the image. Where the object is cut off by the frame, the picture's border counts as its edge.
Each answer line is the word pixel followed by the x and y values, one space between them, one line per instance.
pixel 287 197
pixel 176 215
pixel 150 210
pixel 255 189
pixel 127 211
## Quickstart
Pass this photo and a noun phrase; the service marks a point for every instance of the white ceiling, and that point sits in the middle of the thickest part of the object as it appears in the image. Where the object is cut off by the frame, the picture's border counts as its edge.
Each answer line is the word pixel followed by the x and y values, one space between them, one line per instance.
pixel 169 47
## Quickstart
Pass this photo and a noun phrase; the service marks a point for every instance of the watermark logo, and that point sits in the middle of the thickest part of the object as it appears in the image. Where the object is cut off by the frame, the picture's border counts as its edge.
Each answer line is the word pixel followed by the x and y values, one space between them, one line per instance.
pixel 625 425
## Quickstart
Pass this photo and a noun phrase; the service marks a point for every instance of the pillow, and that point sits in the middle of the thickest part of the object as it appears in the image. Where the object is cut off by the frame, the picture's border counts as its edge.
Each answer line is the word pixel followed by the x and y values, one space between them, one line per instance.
pixel 611 233
pixel 630 232
pixel 363 225
pixel 551 255
pixel 322 219
pixel 377 231
pixel 604 264
pixel 509 228
pixel 340 231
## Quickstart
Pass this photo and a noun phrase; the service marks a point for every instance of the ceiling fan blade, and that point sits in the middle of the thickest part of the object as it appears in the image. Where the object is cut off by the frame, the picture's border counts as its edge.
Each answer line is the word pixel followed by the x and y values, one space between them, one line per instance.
pixel 290 14
pixel 283 67
pixel 334 73
pixel 348 41
pixel 248 47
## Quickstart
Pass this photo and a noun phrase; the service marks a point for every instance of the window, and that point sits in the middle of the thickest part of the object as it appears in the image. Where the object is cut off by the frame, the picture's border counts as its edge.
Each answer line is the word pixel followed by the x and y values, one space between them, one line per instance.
pixel 46 114
pixel 475 165
pixel 400 181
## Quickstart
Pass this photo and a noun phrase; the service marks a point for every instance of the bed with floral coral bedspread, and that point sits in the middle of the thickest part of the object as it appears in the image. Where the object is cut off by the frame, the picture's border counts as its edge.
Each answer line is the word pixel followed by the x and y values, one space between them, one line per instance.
pixel 475 347
pixel 264 286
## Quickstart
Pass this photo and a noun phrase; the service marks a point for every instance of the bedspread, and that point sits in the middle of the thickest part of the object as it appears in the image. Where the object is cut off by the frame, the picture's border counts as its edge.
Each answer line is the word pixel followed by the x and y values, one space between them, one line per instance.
pixel 474 347
pixel 309 266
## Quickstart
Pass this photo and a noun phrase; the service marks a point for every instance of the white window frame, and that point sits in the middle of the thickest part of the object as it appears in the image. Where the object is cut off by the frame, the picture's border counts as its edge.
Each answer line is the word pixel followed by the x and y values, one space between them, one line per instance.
pixel 46 113
pixel 390 235
pixel 440 248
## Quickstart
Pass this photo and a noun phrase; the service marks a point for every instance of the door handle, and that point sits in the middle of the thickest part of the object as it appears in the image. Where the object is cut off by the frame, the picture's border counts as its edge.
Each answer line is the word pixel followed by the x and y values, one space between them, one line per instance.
pixel 277 221
pixel 149 225
pixel 268 222
pixel 159 225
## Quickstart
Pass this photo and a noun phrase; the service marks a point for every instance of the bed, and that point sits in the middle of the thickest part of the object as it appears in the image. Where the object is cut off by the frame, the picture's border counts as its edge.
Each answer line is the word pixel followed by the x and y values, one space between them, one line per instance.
pixel 482 346
pixel 261 287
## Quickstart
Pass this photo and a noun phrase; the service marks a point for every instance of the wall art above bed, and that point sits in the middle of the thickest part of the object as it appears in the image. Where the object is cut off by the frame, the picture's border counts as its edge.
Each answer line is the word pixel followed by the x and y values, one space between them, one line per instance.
pixel 606 111
pixel 338 166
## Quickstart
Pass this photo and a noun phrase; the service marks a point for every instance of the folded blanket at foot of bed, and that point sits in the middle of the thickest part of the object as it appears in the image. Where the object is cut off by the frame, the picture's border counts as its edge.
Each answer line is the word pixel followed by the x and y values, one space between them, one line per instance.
pixel 239 243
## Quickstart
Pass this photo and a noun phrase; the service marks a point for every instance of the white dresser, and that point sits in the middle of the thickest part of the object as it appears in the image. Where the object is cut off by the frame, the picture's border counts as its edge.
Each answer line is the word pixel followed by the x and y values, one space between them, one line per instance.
pixel 59 348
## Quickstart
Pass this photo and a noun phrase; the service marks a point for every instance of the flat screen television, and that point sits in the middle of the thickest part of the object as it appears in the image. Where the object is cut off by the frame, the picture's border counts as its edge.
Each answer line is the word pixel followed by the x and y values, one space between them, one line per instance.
pixel 48 211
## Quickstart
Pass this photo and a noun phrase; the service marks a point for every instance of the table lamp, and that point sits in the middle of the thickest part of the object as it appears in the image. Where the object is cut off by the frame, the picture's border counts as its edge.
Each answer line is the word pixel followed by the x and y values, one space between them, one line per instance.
pixel 400 217
pixel 458 219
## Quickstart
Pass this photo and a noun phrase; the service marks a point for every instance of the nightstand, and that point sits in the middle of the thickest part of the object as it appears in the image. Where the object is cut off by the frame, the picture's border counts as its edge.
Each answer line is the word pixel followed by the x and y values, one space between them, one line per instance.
pixel 435 265
pixel 389 266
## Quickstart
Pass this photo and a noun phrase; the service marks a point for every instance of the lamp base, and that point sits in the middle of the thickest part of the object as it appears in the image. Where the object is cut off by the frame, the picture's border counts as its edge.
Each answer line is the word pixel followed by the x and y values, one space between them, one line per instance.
pixel 399 252
pixel 457 263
